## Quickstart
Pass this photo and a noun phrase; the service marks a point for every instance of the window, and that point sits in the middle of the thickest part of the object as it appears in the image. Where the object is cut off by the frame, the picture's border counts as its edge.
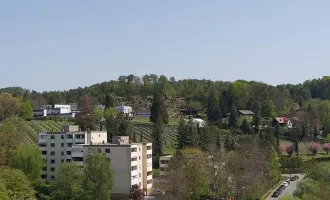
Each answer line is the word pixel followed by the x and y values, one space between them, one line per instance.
pixel 149 156
pixel 44 169
pixel 62 144
pixel 52 144
pixel 62 137
pixel 139 148
pixel 134 149
pixel 140 175
pixel 44 152
pixel 68 153
pixel 68 160
pixel 134 159
pixel 134 177
pixel 149 173
pixel 90 150
pixel 52 153
pixel 69 144
pixel 52 137
pixel 148 147
pixel 42 145
pixel 62 153
pixel 107 150
pixel 52 169
pixel 52 177
pixel 44 176
pixel 139 157
pixel 69 136
pixel 42 136
pixel 164 162
pixel 149 181
pixel 52 161
pixel 134 168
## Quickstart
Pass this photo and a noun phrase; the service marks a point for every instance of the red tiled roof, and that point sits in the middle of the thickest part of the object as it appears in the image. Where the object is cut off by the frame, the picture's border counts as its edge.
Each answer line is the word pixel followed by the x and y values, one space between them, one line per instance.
pixel 281 120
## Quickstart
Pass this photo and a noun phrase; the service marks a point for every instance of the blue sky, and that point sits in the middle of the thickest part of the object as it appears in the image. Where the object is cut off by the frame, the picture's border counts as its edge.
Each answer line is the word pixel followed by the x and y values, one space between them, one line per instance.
pixel 61 44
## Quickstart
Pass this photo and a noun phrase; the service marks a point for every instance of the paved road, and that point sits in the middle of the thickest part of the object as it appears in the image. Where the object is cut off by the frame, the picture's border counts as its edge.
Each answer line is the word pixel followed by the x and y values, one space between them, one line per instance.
pixel 290 189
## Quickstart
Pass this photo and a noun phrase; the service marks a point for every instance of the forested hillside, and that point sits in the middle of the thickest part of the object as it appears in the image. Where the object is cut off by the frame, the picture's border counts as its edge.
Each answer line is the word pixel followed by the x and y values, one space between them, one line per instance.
pixel 137 91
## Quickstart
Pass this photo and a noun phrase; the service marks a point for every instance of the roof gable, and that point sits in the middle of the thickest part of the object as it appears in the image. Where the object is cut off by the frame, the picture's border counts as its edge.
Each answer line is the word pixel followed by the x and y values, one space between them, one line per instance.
pixel 246 112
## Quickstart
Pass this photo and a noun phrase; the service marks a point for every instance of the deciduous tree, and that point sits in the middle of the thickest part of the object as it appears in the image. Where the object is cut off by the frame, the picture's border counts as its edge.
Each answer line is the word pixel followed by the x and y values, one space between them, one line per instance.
pixel 136 193
pixel 98 177
pixel 9 105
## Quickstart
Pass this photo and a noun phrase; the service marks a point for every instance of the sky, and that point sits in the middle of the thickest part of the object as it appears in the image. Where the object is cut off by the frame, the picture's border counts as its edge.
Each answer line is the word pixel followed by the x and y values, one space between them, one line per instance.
pixel 61 44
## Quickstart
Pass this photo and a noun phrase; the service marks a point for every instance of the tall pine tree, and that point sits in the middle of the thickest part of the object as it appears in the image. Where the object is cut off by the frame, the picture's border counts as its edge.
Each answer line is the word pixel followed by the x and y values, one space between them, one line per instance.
pixel 108 101
pixel 233 117
pixel 213 108
pixel 157 135
pixel 158 108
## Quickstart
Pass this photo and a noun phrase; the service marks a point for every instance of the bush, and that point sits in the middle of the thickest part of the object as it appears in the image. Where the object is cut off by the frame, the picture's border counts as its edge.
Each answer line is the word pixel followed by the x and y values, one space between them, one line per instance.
pixel 314 147
pixel 155 162
pixel 295 162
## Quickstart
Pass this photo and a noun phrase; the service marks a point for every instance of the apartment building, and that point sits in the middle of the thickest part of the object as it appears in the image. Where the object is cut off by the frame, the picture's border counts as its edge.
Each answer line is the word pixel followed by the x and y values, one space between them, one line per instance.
pixel 130 162
pixel 163 162
pixel 56 147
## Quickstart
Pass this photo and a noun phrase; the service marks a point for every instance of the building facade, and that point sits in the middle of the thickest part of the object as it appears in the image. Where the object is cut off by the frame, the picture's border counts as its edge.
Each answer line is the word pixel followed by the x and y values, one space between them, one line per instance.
pixel 130 162
pixel 56 147
pixel 163 163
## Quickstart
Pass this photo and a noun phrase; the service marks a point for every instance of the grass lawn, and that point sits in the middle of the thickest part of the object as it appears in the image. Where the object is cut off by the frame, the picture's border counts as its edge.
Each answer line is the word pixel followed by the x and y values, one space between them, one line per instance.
pixel 171 121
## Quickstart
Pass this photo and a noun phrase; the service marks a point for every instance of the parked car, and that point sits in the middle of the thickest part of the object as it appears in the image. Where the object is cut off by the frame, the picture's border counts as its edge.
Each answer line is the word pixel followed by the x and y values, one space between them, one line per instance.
pixel 276 194
pixel 296 177
pixel 285 183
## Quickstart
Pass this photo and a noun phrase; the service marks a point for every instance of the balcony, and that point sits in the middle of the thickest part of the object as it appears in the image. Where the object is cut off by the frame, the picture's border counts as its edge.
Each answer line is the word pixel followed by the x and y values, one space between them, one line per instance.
pixel 77 155
pixel 162 173
pixel 149 160
pixel 149 152
pixel 163 165
pixel 134 163
pixel 134 173
pixel 149 177
pixel 134 181
pixel 133 154
pixel 69 140
pixel 149 186
pixel 79 141
pixel 42 148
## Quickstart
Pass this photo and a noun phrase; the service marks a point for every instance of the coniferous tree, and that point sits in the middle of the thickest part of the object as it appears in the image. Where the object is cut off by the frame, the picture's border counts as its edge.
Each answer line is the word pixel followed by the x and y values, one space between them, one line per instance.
pixel 213 108
pixel 246 127
pixel 256 117
pixel 233 117
pixel 203 134
pixel 157 134
pixel 274 167
pixel 108 101
pixel 158 108
pixel 182 134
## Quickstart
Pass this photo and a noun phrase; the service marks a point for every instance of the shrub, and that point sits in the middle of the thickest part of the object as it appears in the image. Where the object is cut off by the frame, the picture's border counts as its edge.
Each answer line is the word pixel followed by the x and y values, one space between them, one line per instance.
pixel 282 148
pixel 326 147
pixel 289 149
pixel 314 147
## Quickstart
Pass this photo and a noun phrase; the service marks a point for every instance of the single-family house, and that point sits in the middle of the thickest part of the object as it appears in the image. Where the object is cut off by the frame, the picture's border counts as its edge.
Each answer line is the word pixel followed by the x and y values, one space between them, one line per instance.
pixel 245 113
pixel 282 121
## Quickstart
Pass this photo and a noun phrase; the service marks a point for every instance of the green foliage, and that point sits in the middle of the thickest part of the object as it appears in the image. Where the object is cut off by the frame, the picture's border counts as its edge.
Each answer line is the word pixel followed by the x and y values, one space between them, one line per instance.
pixel 98 177
pixel 233 117
pixel 213 108
pixel 15 184
pixel 158 108
pixel 9 106
pixel 187 175
pixel 25 109
pixel 157 137
pixel 29 160
pixel 268 109
pixel 69 184
pixel 246 127
pixel 122 127
pixel 289 197
pixel 108 102
pixel 274 165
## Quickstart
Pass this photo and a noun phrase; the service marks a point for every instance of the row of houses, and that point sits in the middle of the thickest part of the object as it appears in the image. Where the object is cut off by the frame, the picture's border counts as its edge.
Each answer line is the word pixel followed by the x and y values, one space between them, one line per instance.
pixel 131 162
pixel 70 110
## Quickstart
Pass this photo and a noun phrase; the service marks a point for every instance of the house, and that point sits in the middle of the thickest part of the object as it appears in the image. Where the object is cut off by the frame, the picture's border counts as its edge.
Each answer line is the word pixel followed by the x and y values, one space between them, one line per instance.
pixel 56 147
pixel 282 121
pixel 245 113
pixel 185 112
pixel 131 163
pixel 127 110
pixel 57 110
pixel 197 121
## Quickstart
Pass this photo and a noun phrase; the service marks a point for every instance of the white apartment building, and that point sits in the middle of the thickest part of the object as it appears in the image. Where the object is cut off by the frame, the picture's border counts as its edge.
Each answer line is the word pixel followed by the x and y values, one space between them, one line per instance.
pixel 56 147
pixel 163 162
pixel 127 110
pixel 63 109
pixel 130 162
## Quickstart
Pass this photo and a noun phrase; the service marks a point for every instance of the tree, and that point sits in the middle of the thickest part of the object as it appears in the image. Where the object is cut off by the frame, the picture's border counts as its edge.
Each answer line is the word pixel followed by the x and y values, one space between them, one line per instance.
pixel 246 127
pixel 98 177
pixel 122 126
pixel 157 136
pixel 9 106
pixel 69 184
pixel 326 147
pixel 85 105
pixel 110 115
pixel 256 117
pixel 108 101
pixel 187 175
pixel 29 160
pixel 290 149
pixel 268 109
pixel 12 133
pixel 25 108
pixel 97 116
pixel 158 108
pixel 274 165
pixel 136 193
pixel 314 147
pixel 204 139
pixel 213 109
pixel 16 184
pixel 233 117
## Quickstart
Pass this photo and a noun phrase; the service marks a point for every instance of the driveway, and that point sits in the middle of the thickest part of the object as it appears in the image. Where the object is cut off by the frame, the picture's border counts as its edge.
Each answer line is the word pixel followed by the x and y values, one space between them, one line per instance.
pixel 290 189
